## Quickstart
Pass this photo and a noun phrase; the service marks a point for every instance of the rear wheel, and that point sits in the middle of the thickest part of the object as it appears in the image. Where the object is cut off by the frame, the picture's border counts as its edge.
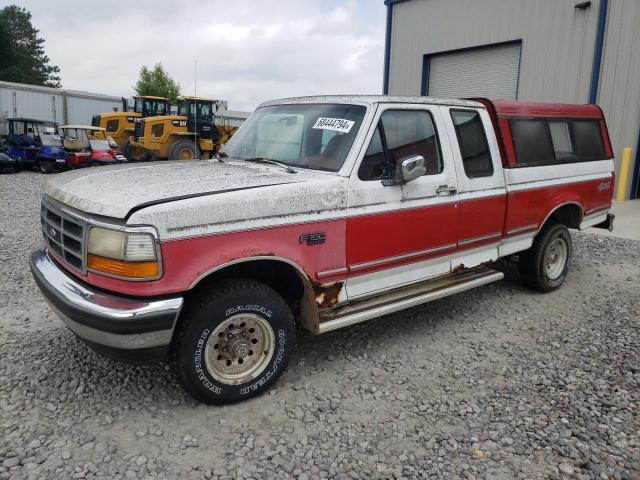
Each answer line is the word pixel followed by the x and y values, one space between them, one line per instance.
pixel 233 342
pixel 544 266
pixel 184 150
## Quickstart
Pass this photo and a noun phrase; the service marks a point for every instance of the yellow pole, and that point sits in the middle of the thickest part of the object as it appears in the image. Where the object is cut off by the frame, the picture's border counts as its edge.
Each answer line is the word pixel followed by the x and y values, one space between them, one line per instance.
pixel 624 175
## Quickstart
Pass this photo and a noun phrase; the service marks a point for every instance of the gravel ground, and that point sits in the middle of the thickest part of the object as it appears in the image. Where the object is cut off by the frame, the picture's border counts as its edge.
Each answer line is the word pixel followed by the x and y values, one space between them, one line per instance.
pixel 495 383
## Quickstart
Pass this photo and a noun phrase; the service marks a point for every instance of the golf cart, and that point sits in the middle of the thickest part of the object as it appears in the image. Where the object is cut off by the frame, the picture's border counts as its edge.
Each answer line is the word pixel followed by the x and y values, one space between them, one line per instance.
pixel 89 146
pixel 7 163
pixel 35 143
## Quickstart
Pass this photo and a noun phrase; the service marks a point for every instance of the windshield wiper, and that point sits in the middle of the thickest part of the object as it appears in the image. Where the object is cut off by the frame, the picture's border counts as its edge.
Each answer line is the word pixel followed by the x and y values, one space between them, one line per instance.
pixel 270 162
pixel 220 156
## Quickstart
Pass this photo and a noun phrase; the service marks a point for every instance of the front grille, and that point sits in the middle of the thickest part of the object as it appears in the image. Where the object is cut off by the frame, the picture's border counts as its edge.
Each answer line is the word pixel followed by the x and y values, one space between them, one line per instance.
pixel 64 234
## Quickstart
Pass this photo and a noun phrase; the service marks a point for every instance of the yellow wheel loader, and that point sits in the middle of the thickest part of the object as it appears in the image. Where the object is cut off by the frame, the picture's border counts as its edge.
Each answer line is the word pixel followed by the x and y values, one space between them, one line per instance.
pixel 191 134
pixel 121 125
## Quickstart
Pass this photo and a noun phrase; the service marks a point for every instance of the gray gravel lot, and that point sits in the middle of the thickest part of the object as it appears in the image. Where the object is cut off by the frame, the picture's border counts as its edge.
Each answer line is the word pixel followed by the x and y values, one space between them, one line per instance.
pixel 496 383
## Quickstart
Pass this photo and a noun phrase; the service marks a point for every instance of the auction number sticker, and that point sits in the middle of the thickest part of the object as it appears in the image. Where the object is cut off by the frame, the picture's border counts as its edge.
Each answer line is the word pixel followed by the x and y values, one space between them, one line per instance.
pixel 337 124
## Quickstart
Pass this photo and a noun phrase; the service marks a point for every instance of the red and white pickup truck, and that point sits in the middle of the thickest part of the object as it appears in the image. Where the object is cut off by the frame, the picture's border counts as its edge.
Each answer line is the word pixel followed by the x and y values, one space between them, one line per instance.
pixel 322 212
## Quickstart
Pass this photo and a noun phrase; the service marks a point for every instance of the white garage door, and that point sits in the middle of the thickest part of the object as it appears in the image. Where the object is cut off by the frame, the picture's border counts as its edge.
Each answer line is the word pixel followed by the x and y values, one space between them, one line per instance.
pixel 482 72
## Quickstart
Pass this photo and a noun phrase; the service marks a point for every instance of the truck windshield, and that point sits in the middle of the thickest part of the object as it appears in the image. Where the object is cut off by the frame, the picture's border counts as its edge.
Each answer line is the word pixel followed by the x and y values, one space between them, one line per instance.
pixel 315 136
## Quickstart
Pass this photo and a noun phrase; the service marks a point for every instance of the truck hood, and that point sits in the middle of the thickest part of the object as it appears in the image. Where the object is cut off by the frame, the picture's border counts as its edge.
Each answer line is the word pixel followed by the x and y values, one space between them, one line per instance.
pixel 118 191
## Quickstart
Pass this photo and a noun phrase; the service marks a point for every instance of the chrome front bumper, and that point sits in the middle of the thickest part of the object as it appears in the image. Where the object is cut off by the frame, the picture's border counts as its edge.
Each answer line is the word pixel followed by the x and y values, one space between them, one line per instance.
pixel 101 319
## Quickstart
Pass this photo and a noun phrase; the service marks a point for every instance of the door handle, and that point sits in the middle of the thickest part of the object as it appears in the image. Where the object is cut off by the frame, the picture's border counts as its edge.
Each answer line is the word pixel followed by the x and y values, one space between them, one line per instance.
pixel 446 190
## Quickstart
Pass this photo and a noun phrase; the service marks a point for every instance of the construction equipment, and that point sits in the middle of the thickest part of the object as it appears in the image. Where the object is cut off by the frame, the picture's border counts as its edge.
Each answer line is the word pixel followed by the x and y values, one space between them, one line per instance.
pixel 191 134
pixel 120 125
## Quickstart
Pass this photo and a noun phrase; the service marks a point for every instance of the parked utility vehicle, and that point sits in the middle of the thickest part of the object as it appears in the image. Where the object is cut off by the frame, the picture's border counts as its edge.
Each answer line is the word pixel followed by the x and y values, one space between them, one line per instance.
pixel 89 146
pixel 121 125
pixel 189 135
pixel 35 143
pixel 8 163
pixel 321 211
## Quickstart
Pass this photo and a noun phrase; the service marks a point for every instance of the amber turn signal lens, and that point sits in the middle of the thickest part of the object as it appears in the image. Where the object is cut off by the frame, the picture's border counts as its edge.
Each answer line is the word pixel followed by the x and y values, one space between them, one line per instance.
pixel 122 268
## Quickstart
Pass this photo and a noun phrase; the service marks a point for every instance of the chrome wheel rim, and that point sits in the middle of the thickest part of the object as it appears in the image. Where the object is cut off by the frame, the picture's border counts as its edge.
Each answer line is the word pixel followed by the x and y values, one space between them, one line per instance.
pixel 555 258
pixel 239 349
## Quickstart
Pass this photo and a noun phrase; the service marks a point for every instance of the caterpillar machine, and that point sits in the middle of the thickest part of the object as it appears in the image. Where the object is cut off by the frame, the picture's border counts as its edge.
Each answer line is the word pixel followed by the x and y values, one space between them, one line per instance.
pixel 191 134
pixel 121 125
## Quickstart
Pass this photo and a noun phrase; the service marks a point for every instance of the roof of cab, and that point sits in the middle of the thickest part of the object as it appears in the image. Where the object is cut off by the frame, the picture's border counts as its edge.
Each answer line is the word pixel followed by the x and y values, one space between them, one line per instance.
pixel 150 97
pixel 375 99
pixel 199 99
pixel 515 108
pixel 24 119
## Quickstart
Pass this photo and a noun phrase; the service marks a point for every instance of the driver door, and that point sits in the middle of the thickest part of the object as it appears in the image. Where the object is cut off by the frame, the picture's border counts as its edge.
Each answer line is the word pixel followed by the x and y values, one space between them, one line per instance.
pixel 398 234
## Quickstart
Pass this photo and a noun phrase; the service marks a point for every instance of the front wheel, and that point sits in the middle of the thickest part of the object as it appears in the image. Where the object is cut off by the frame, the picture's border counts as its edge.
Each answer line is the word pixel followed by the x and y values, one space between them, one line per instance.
pixel 184 150
pixel 544 266
pixel 233 342
pixel 45 167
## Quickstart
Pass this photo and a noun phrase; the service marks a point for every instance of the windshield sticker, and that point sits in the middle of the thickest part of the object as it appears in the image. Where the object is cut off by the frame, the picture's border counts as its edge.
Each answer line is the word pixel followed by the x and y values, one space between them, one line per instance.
pixel 337 124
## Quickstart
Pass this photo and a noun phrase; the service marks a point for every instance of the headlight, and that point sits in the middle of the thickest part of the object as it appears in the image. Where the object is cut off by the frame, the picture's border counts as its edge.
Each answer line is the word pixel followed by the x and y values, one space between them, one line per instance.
pixel 122 253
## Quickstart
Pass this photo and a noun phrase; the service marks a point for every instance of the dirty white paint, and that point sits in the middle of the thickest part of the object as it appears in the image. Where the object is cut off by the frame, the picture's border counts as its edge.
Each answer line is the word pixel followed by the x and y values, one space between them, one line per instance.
pixel 374 99
pixel 114 191
pixel 312 197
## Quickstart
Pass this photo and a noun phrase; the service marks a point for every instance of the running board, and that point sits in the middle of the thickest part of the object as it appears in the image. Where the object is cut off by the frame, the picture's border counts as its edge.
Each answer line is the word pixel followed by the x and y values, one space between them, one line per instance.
pixel 408 297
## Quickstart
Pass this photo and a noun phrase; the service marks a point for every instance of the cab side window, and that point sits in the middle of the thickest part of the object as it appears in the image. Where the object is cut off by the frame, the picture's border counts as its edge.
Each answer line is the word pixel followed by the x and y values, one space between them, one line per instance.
pixel 112 125
pixel 400 134
pixel 474 148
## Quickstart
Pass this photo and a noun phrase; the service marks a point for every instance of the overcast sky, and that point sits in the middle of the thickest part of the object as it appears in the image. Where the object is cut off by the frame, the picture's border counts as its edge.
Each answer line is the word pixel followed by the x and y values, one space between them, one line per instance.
pixel 246 51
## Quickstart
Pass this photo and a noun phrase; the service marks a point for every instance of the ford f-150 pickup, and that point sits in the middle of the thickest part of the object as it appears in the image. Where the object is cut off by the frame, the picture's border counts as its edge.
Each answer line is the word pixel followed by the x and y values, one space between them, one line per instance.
pixel 321 212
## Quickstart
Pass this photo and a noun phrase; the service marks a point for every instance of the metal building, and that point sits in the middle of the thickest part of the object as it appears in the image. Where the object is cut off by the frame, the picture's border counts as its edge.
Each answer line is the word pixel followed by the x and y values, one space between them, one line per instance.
pixel 53 104
pixel 570 51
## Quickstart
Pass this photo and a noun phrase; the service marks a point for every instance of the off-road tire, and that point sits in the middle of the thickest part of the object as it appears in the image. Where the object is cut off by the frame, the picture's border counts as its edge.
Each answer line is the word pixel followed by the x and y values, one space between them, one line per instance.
pixel 183 145
pixel 214 309
pixel 533 270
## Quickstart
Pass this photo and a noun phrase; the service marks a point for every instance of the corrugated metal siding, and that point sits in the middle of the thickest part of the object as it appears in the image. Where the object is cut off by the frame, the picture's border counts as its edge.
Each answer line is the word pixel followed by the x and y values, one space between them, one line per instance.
pixel 56 105
pixel 81 110
pixel 619 92
pixel 486 72
pixel 42 106
pixel 557 41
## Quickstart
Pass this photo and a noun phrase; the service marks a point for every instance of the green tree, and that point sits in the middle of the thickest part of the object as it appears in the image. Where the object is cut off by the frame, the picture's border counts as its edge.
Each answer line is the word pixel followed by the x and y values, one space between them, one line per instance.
pixel 157 82
pixel 22 57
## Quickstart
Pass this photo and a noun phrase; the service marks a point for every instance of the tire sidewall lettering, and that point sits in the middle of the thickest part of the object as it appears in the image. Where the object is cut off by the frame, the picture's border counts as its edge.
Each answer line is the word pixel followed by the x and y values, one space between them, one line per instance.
pixel 275 365
pixel 248 308
pixel 268 374
pixel 200 371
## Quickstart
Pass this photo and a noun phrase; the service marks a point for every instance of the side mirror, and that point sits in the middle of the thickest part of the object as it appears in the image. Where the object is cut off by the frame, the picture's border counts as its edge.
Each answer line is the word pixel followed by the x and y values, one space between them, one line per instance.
pixel 409 168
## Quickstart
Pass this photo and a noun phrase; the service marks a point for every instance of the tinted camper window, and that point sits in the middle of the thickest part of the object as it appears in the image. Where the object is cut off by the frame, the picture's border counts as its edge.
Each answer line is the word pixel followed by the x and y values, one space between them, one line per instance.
pixel 532 142
pixel 554 141
pixel 588 139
